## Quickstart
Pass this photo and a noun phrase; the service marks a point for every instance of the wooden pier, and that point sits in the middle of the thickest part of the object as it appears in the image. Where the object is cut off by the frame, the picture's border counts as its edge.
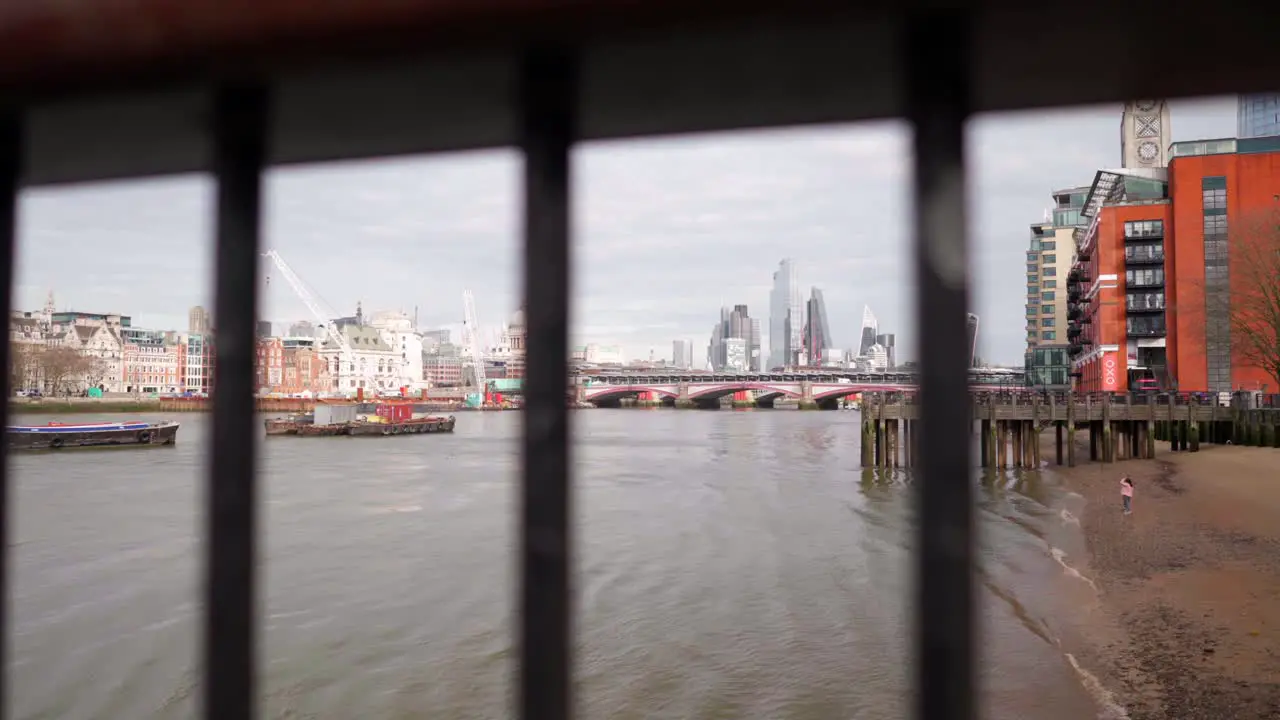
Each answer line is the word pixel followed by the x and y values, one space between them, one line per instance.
pixel 1120 427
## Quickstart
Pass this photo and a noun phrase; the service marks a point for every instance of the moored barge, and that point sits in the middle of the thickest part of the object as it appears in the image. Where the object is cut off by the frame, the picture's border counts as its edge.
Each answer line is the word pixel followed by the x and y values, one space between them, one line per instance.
pixel 57 436
pixel 332 420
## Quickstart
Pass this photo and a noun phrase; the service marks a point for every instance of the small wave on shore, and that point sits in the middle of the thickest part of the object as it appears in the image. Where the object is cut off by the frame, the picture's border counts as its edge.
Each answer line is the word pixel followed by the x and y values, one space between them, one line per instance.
pixel 1109 707
pixel 1060 557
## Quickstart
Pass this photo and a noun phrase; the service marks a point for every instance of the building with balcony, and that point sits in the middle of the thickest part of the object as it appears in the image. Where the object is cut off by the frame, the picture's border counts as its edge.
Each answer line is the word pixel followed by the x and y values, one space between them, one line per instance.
pixel 1050 256
pixel 1150 296
pixel 1115 289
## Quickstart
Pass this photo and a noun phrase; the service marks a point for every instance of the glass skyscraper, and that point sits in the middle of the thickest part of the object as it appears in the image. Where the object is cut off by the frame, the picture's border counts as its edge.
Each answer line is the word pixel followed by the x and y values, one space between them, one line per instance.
pixel 786 317
pixel 1258 115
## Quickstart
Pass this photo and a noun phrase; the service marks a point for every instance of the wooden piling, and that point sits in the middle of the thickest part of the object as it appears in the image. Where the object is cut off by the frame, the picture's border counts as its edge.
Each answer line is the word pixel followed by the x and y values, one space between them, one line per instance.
pixel 984 443
pixel 868 444
pixel 1071 431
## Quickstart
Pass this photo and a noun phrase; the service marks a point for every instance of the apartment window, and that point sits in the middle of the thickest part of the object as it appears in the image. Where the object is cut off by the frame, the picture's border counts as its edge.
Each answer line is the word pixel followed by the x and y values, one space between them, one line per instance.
pixel 1046 322
pixel 1031 311
pixel 1032 256
pixel 1049 284
pixel 1145 252
pixel 1031 267
pixel 1050 271
pixel 1046 309
pixel 1049 246
pixel 1032 289
pixel 1217 331
pixel 1214 193
pixel 1031 335
pixel 1144 301
pixel 1050 259
pixel 1146 277
pixel 1215 199
pixel 1145 325
pixel 1144 229
pixel 1215 225
pixel 1051 335
pixel 1046 296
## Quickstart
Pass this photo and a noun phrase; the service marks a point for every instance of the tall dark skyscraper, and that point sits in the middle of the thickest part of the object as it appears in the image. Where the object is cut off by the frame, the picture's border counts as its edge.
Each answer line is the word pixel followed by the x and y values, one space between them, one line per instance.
pixel 817 335
pixel 888 341
pixel 971 325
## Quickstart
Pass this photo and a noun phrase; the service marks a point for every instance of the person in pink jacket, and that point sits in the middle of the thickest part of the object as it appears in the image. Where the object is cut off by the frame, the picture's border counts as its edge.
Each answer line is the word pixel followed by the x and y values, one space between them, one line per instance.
pixel 1126 494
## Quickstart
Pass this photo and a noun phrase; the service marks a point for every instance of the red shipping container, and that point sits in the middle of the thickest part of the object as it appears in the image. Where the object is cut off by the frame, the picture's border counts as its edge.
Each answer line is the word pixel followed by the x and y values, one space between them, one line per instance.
pixel 395 413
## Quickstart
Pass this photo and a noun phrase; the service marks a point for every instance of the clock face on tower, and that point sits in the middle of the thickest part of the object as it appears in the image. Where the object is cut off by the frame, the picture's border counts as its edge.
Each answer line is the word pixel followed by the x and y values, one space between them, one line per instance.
pixel 1148 151
pixel 1145 105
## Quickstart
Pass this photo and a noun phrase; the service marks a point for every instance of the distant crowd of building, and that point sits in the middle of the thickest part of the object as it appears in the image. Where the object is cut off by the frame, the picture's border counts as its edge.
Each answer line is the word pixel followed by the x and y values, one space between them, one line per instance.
pixel 75 352
pixel 1144 279
pixel 799 335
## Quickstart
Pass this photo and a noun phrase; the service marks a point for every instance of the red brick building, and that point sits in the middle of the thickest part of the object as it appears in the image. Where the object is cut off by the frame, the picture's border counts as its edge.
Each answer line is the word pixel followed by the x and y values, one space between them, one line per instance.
pixel 1115 291
pixel 1147 295
pixel 270 364
pixel 1222 191
pixel 304 371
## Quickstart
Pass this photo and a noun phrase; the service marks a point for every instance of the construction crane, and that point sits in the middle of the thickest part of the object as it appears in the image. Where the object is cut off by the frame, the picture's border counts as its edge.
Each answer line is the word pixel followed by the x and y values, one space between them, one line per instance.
pixel 324 318
pixel 471 338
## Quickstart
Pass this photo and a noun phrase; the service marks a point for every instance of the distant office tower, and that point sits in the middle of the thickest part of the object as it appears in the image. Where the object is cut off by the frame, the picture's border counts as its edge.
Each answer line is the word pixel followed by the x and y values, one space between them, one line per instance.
pixel 1258 115
pixel 869 330
pixel 971 325
pixel 263 329
pixel 682 354
pixel 786 319
pixel 817 335
pixel 198 321
pixel 887 341
pixel 737 325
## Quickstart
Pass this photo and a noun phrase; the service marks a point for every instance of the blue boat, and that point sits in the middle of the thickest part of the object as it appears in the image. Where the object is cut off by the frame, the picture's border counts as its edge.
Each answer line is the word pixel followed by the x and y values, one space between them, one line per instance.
pixel 57 436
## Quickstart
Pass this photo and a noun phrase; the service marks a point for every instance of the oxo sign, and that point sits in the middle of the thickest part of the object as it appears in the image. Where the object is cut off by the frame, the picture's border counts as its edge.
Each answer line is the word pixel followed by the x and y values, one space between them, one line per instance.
pixel 1110 372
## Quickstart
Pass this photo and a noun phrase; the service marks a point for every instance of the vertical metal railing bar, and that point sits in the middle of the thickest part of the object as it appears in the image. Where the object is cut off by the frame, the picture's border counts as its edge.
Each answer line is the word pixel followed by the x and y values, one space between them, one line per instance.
pixel 938 62
pixel 10 166
pixel 547 104
pixel 239 130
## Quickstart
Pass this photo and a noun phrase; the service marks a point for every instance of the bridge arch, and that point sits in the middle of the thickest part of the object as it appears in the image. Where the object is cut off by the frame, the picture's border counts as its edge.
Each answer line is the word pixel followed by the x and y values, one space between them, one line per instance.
pixel 604 393
pixel 726 389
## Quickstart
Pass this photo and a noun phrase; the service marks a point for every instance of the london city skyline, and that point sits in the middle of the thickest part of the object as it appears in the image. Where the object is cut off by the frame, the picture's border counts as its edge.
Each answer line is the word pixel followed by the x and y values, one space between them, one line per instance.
pixel 667 231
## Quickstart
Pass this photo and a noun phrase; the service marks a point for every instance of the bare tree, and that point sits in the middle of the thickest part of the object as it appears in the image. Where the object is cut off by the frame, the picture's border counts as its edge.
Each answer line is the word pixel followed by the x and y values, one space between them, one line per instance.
pixel 62 367
pixel 23 367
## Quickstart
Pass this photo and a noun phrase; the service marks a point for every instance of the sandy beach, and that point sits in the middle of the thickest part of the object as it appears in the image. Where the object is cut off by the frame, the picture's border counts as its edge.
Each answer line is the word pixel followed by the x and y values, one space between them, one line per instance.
pixel 1188 620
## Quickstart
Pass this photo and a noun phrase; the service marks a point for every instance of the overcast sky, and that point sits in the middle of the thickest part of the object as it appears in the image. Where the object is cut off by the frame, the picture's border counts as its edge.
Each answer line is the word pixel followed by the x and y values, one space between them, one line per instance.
pixel 666 231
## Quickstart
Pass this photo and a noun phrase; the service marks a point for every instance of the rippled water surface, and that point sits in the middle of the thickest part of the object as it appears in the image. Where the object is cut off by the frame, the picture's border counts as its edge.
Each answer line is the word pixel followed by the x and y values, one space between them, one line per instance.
pixel 731 565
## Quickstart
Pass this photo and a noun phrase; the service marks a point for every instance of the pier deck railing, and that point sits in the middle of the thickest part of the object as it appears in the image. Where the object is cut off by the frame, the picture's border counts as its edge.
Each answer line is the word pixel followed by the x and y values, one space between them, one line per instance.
pixel 99 89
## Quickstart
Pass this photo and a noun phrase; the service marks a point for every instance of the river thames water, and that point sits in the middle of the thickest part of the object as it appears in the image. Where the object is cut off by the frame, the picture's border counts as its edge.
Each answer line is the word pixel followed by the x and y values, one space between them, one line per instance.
pixel 730 565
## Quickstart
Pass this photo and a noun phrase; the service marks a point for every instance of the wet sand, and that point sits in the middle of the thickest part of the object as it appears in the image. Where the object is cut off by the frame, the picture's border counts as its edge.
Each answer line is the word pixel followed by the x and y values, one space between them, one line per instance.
pixel 1187 624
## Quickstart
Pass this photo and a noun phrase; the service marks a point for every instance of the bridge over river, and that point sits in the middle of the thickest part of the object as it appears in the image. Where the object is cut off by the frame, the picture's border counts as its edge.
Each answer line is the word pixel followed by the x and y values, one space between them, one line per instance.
pixel 820 389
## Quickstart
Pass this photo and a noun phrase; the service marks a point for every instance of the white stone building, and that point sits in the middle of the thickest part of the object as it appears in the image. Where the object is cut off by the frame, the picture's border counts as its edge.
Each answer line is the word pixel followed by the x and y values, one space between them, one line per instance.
pixel 398 332
pixel 102 342
pixel 373 365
